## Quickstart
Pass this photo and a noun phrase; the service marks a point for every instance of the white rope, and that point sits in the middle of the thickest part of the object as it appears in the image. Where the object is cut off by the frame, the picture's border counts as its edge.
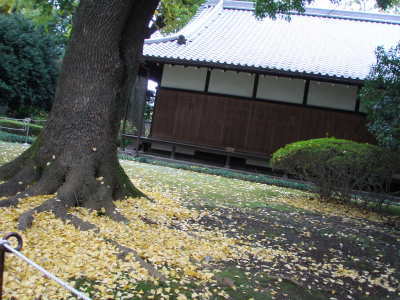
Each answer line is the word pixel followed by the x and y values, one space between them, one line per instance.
pixel 10 119
pixel 15 129
pixel 6 245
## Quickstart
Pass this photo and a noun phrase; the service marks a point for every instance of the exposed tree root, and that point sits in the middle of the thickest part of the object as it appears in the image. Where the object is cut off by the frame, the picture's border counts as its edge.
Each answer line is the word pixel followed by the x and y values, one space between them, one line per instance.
pixel 79 187
pixel 91 179
pixel 124 251
pixel 13 201
pixel 19 182
pixel 61 212
pixel 93 184
pixel 53 205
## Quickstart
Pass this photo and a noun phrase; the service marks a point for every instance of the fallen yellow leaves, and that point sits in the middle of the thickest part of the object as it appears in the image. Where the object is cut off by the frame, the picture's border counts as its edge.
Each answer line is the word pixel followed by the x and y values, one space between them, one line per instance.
pixel 178 248
pixel 381 280
pixel 330 208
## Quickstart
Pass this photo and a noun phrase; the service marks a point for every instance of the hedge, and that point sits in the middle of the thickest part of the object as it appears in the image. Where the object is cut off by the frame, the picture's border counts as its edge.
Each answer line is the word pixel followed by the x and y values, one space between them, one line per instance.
pixel 338 167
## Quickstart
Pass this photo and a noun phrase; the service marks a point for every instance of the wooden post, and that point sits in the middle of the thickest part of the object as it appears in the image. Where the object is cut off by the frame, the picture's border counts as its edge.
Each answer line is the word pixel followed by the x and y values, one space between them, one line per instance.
pixel 140 98
pixel 228 161
pixel 229 150
pixel 2 257
pixel 173 152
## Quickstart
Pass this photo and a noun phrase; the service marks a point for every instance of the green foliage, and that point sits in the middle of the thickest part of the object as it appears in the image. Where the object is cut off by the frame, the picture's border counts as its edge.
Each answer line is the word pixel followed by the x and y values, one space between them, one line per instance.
pixel 28 67
pixel 176 13
pixel 338 167
pixel 54 16
pixel 381 98
pixel 386 4
pixel 34 129
pixel 269 8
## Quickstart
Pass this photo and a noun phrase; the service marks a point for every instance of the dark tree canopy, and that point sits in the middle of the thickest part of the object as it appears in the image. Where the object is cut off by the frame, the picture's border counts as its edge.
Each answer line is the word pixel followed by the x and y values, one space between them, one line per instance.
pixel 28 65
pixel 381 97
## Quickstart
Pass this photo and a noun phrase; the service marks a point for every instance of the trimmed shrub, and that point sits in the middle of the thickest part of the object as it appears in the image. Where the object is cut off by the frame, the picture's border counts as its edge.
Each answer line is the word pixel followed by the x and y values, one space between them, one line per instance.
pixel 338 167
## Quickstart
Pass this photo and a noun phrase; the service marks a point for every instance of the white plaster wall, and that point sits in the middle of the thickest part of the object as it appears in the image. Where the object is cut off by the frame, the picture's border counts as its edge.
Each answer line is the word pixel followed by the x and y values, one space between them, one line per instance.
pixel 179 77
pixel 332 95
pixel 231 83
pixel 281 89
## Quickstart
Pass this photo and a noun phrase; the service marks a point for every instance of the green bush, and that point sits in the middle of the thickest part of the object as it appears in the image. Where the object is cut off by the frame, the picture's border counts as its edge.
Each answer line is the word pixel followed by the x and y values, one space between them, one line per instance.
pixel 34 129
pixel 28 66
pixel 338 167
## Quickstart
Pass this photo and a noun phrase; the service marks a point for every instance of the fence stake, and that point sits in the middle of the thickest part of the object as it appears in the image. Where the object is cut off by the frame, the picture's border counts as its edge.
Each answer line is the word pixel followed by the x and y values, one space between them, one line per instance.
pixel 5 245
pixel 2 255
pixel 27 121
pixel 3 251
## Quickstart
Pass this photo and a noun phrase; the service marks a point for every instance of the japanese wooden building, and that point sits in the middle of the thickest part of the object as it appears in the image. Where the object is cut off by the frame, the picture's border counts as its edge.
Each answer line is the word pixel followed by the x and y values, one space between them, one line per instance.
pixel 231 82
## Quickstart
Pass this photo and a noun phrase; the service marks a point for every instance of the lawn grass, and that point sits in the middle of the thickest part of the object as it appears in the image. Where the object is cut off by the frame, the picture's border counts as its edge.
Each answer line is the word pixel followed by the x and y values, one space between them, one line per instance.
pixel 197 189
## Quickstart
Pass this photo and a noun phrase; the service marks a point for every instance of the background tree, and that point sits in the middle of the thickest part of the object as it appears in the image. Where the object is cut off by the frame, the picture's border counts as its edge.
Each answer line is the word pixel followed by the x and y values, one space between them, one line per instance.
pixel 381 97
pixel 172 15
pixel 53 16
pixel 28 66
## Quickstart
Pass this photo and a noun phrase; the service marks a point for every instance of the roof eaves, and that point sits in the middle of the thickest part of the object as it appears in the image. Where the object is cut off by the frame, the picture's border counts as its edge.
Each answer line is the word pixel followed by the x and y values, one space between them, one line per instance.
pixel 236 67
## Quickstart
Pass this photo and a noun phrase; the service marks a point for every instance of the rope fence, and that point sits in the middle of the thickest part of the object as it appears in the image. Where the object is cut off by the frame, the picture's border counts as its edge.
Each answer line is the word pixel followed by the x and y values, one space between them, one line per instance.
pixel 5 247
pixel 25 126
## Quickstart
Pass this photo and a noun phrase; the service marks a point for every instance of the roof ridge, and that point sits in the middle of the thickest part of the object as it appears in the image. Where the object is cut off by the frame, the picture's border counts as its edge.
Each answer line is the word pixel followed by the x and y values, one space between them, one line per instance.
pixel 322 12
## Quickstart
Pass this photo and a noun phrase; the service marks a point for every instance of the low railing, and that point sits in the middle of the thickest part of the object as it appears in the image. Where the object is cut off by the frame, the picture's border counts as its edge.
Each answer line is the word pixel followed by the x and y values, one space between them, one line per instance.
pixel 228 152
pixel 5 247
pixel 24 128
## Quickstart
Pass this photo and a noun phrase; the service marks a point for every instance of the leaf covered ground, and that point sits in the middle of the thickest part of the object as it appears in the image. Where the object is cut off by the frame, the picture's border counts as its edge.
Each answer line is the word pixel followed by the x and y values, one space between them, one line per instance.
pixel 212 238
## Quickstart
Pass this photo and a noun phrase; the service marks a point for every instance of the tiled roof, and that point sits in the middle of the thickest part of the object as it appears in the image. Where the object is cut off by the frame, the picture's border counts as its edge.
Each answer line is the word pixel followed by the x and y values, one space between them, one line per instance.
pixel 326 43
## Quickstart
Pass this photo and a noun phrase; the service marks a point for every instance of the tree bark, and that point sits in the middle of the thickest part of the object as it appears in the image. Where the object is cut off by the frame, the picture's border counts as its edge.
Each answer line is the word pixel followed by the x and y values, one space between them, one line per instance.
pixel 76 154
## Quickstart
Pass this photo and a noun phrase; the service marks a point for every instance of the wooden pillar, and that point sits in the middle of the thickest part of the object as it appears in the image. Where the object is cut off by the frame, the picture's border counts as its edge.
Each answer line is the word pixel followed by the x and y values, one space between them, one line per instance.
pixel 138 107
pixel 173 151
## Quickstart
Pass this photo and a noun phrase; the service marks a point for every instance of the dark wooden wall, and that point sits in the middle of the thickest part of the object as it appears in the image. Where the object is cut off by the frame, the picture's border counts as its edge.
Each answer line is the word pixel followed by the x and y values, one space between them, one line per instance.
pixel 247 125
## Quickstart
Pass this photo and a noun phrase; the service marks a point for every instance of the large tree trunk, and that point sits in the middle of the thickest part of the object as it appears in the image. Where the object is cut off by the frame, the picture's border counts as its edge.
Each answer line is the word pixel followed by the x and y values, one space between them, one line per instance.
pixel 76 154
